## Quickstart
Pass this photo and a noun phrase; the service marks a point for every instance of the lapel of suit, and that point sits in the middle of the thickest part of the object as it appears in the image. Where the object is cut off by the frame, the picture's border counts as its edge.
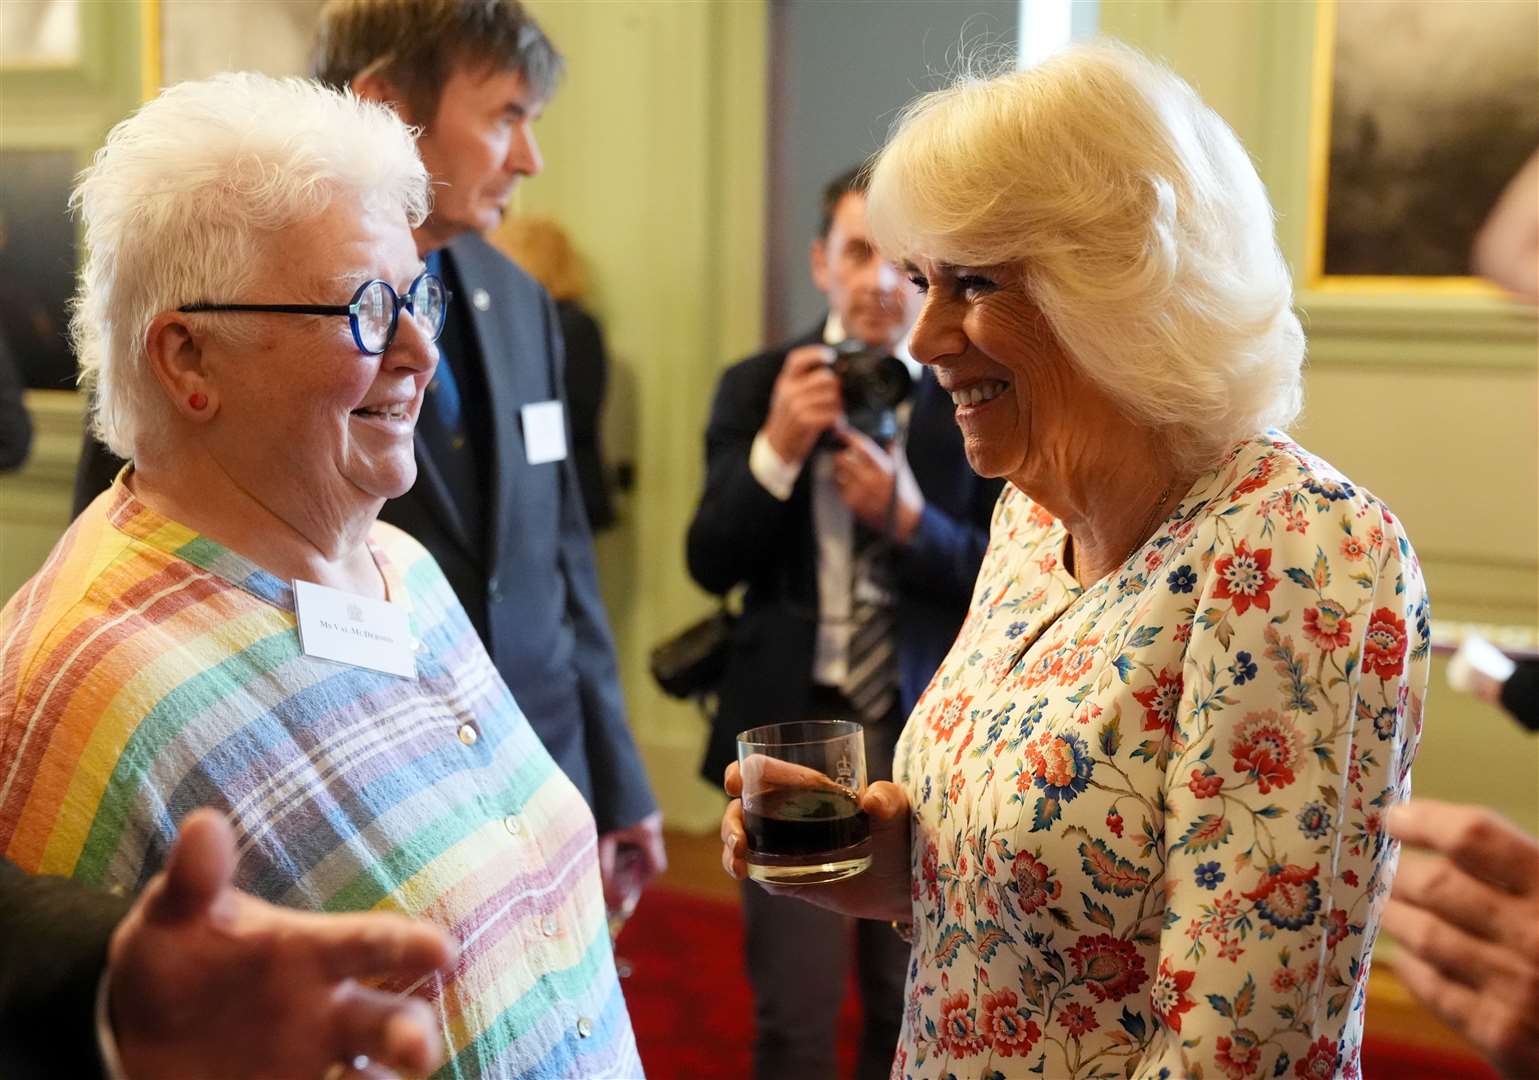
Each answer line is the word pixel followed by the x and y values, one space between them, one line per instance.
pixel 475 270
pixel 434 489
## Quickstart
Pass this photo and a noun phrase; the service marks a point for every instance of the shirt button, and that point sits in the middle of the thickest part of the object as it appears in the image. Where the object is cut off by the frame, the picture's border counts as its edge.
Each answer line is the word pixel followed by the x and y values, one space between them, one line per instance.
pixel 548 926
pixel 512 824
pixel 468 734
pixel 584 1028
pixel 458 442
pixel 481 299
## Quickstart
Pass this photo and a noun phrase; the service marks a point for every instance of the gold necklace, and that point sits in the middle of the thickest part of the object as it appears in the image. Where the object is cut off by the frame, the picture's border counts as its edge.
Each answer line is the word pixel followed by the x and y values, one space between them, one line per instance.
pixel 1150 522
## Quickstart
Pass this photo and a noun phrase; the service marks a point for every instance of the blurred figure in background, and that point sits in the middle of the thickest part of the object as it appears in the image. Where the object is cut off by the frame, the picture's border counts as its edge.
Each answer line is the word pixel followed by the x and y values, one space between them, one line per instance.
pixel 15 423
pixel 1507 248
pixel 542 248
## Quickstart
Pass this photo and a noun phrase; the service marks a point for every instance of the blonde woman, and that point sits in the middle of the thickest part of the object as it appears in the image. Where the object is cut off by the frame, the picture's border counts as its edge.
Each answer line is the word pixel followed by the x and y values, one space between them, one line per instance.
pixel 1137 828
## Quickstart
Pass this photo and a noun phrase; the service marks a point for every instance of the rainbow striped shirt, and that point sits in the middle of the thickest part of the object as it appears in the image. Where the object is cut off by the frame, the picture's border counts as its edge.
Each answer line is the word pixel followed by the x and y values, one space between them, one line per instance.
pixel 146 671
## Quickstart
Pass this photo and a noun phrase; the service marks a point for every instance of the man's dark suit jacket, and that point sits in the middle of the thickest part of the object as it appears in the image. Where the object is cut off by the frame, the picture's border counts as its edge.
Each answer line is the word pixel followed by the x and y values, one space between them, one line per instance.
pixel 53 950
pixel 743 534
pixel 528 584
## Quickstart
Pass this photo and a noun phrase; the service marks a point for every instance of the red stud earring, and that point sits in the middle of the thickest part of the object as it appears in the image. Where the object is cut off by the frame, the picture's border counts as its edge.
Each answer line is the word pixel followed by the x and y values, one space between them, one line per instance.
pixel 197 400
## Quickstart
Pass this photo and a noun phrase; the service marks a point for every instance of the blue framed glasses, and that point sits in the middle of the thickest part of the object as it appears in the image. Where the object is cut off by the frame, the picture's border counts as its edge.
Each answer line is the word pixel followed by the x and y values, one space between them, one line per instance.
pixel 374 311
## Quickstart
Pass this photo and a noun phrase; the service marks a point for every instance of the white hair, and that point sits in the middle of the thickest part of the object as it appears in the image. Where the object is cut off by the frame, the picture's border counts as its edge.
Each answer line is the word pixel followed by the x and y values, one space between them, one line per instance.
pixel 1138 221
pixel 180 201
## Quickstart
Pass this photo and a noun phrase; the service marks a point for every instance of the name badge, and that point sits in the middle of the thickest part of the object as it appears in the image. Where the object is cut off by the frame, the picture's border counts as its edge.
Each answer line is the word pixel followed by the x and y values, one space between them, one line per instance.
pixel 357 630
pixel 544 432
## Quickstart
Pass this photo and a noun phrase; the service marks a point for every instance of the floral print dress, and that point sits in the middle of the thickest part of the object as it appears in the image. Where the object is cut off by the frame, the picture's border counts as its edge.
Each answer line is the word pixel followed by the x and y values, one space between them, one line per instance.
pixel 1148 814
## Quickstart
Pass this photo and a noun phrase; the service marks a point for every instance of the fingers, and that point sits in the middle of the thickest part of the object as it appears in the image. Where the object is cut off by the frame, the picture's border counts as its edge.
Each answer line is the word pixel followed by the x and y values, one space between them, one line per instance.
pixel 607 845
pixel 1436 885
pixel 734 841
pixel 733 781
pixel 1480 841
pixel 808 358
pixel 885 801
pixel 393 1032
pixel 761 773
pixel 655 853
pixel 860 447
pixel 201 864
pixel 1455 954
pixel 1453 1002
pixel 375 944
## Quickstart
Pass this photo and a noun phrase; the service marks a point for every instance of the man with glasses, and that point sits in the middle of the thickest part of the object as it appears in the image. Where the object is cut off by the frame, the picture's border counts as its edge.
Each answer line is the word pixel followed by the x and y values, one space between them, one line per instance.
pixel 496 499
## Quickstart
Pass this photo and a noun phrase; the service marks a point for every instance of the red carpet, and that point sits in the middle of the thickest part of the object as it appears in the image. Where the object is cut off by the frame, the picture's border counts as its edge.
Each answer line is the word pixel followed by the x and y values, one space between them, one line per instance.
pixel 693 1014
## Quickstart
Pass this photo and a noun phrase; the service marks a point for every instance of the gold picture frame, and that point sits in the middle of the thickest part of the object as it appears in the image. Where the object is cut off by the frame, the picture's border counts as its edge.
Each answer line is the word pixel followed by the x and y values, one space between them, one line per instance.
pixel 1317 276
pixel 194 39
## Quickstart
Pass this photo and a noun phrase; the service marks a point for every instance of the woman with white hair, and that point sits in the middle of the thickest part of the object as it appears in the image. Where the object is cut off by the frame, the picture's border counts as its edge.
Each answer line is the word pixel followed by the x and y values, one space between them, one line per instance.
pixel 1137 824
pixel 230 626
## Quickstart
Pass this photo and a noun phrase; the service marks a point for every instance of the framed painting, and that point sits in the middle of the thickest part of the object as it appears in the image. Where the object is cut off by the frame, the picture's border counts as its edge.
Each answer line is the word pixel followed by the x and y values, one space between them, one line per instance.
pixel 40 34
pixel 1422 112
pixel 193 39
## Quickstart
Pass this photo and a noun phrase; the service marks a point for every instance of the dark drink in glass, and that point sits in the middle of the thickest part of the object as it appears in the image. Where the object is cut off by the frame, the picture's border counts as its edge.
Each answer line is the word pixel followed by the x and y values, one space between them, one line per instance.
pixel 802 784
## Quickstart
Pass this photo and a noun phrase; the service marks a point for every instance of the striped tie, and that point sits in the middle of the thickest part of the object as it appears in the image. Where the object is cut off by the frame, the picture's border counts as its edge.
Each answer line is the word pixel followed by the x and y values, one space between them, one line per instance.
pixel 871 684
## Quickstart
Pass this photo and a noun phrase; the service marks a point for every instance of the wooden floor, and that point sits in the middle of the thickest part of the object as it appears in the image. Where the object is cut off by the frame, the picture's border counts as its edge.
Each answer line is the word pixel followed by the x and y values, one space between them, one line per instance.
pixel 694 867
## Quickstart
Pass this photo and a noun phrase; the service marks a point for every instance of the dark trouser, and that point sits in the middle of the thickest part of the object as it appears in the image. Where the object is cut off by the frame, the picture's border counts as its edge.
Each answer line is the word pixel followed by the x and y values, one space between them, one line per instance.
pixel 798 965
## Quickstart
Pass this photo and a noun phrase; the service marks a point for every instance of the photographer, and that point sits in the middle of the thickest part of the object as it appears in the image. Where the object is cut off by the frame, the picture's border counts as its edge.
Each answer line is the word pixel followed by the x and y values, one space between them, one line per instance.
pixel 857 526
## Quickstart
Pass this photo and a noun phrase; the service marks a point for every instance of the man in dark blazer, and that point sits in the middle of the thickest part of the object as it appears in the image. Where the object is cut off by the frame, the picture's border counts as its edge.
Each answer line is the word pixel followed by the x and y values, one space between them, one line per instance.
pixel 497 500
pixel 786 514
pixel 196 979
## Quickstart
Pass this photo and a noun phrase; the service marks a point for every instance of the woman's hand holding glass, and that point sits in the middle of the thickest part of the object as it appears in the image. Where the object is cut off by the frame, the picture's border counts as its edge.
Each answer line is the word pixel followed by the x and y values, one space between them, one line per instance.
pixel 882 892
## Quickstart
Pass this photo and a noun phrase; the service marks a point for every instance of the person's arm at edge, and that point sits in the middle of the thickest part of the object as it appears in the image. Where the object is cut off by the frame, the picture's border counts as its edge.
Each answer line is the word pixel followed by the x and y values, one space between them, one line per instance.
pixel 1507 246
pixel 55 950
pixel 942 555
pixel 738 528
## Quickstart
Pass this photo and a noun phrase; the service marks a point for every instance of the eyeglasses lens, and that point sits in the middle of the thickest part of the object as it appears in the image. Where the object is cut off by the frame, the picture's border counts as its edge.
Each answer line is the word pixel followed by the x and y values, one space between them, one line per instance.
pixel 375 308
pixel 427 306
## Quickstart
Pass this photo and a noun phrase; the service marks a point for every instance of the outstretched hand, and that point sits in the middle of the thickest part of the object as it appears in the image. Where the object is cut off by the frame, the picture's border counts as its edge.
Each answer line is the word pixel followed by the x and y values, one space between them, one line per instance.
pixel 1465 911
pixel 205 980
pixel 883 891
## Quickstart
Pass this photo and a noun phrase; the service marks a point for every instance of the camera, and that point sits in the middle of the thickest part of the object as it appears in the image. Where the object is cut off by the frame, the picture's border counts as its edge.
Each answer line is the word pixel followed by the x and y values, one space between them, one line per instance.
pixel 873 383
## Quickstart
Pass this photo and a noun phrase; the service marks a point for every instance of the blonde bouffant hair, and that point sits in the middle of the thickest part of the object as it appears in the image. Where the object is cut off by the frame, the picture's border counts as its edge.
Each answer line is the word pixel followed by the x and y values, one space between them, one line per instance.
pixel 1137 220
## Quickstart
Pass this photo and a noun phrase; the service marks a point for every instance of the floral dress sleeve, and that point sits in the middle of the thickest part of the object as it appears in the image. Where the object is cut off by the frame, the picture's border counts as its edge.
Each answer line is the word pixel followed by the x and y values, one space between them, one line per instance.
pixel 1299 716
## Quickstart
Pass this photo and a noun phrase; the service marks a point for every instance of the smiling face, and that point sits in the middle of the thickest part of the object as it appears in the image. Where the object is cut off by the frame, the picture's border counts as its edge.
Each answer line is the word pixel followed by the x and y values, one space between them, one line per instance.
pixel 1026 412
pixel 310 426
pixel 870 297
pixel 476 147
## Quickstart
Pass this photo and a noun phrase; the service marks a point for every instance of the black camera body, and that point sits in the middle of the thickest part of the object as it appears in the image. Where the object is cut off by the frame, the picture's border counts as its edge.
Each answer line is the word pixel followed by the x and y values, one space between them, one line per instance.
pixel 872 383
